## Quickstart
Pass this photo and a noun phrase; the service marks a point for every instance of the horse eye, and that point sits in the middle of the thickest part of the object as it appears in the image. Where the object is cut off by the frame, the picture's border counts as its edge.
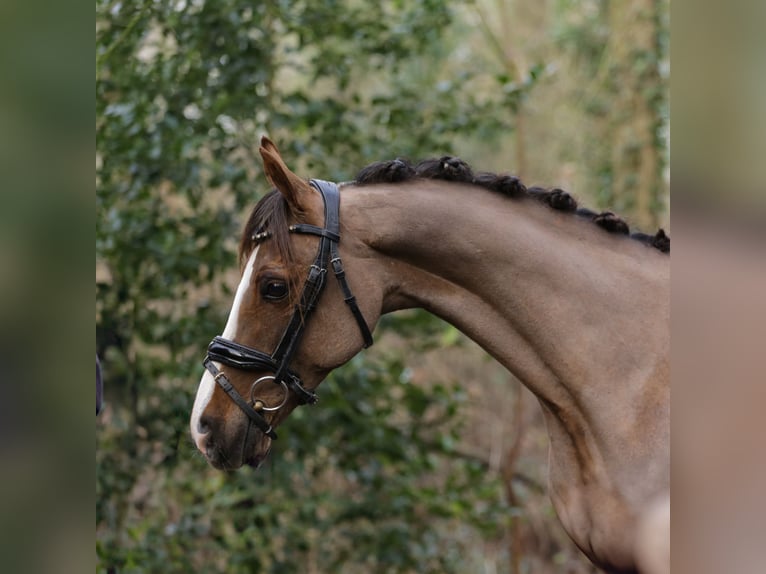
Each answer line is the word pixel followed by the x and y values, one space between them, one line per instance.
pixel 274 290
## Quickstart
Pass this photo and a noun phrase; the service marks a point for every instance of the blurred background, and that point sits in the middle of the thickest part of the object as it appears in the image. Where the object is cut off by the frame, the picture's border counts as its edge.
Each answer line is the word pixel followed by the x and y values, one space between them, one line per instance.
pixel 423 455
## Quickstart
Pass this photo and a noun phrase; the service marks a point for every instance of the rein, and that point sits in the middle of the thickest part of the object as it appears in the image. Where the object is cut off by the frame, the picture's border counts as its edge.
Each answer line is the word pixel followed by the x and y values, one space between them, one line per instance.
pixel 245 358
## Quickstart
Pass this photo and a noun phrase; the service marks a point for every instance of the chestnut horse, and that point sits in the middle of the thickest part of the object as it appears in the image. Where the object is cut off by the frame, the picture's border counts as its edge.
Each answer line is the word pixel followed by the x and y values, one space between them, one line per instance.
pixel 566 299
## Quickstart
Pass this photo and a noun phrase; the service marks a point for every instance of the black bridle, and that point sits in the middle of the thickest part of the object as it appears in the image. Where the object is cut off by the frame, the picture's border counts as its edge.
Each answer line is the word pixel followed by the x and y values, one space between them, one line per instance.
pixel 247 359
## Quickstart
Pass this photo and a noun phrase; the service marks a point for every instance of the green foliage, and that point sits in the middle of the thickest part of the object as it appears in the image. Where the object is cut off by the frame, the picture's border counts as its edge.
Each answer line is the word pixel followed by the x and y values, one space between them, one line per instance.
pixel 370 480
pixel 622 48
pixel 376 490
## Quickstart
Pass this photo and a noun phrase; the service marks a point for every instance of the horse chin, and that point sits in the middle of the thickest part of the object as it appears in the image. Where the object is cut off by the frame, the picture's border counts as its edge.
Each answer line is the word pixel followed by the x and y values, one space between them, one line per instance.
pixel 255 460
pixel 249 450
pixel 220 461
pixel 255 448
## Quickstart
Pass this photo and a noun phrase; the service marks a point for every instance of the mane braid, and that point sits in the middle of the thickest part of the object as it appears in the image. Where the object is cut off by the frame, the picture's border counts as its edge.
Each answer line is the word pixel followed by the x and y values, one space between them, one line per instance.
pixel 450 168
pixel 386 172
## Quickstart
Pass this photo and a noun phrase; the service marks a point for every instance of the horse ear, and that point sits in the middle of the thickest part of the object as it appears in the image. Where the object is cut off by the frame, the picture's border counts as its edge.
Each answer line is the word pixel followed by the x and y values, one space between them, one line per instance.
pixel 296 190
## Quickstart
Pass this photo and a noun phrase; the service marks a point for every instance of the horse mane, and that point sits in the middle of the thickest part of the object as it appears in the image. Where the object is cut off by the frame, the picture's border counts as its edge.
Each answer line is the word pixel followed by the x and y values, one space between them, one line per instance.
pixel 271 212
pixel 454 169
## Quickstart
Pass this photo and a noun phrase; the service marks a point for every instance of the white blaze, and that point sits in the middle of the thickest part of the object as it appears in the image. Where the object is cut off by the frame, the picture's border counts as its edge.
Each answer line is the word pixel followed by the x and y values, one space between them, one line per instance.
pixel 207 384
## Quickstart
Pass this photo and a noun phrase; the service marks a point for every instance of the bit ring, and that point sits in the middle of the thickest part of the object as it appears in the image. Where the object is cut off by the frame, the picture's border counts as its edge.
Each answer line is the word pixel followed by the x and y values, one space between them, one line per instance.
pixel 264 407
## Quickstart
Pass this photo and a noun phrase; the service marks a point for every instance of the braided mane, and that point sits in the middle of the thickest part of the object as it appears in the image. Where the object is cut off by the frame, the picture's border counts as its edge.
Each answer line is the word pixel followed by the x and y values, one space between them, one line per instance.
pixel 454 169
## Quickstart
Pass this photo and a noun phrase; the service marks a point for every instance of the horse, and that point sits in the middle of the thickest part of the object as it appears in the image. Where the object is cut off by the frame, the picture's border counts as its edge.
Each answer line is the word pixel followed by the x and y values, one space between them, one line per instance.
pixel 566 299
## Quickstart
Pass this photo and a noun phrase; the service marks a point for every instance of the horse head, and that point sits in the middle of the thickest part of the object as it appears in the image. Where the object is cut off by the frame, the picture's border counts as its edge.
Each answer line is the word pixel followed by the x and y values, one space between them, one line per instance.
pixel 290 323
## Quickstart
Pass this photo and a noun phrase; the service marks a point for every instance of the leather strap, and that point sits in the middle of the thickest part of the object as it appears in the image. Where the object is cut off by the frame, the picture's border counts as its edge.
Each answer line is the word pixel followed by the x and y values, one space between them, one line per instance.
pixel 314 230
pixel 239 356
pixel 348 296
pixel 330 192
pixel 229 389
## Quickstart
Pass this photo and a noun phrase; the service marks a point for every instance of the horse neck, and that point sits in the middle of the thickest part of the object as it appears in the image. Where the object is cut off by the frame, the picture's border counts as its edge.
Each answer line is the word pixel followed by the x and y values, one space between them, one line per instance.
pixel 565 306
pixel 580 316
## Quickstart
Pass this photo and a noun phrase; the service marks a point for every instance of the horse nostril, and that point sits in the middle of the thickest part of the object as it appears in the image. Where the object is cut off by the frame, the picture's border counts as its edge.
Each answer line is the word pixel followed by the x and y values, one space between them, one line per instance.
pixel 203 425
